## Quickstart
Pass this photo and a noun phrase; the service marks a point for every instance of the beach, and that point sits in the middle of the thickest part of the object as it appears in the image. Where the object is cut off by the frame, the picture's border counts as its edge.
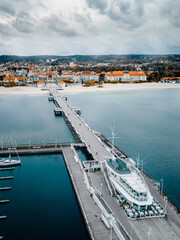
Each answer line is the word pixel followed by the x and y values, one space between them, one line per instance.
pixel 80 89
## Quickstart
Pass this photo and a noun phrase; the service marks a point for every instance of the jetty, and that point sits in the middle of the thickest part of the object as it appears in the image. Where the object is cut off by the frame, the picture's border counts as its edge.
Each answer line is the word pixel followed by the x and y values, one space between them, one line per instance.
pixel 35 149
pixel 93 188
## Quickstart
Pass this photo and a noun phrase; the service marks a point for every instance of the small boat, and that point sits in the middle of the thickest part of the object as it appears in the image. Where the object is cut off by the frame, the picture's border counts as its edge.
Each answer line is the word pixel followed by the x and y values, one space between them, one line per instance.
pixel 8 162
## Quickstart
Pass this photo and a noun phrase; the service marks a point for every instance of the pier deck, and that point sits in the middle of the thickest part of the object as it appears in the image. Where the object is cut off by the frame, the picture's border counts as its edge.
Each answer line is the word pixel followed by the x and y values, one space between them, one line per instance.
pixel 90 211
pixel 94 145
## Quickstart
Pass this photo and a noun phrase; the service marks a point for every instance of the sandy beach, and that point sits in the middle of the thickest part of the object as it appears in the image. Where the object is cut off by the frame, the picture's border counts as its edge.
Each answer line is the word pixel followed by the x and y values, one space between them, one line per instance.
pixel 80 89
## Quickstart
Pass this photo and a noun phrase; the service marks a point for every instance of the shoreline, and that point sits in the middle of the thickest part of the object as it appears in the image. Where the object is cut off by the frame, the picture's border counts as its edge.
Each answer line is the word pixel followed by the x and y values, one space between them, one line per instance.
pixel 29 90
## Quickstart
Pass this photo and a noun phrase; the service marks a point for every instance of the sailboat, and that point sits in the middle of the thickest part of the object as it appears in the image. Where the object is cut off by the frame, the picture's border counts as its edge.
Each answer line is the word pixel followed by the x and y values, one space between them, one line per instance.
pixel 9 162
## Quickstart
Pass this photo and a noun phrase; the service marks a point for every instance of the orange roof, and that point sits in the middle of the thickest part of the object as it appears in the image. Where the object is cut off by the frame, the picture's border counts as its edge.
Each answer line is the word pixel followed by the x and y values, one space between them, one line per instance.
pixel 118 73
pixel 11 73
pixel 84 73
pixel 121 73
pixel 19 78
pixel 142 74
pixel 170 78
pixel 41 81
pixel 9 78
pixel 115 73
pixel 64 74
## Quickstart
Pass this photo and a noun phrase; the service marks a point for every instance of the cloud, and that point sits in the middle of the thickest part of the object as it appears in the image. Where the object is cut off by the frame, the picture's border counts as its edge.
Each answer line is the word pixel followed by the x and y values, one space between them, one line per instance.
pixel 128 12
pixel 57 25
pixel 89 26
pixel 101 5
pixel 7 8
pixel 171 11
pixel 23 22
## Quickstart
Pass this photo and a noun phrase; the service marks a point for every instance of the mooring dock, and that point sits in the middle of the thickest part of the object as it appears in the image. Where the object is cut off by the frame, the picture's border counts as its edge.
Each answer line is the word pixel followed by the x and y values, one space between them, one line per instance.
pixel 34 149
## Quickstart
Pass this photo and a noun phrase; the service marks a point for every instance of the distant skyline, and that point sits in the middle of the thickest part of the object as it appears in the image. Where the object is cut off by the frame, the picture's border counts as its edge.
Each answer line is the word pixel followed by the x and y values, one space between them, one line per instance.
pixel 89 27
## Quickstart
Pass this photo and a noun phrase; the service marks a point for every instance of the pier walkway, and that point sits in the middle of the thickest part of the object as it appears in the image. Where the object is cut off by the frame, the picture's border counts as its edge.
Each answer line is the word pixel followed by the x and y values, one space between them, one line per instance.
pixel 94 145
pixel 90 211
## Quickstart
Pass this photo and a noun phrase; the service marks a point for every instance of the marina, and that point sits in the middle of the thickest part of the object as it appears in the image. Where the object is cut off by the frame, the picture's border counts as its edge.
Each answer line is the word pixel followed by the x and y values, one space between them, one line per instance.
pixel 110 217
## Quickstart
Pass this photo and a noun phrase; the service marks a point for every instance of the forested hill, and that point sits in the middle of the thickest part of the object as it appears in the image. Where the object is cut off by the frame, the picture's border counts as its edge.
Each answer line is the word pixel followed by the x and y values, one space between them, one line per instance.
pixel 85 58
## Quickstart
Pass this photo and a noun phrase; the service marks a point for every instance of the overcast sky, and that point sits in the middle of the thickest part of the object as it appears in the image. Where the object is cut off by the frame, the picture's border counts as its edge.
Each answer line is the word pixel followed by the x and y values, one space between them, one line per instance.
pixel 67 27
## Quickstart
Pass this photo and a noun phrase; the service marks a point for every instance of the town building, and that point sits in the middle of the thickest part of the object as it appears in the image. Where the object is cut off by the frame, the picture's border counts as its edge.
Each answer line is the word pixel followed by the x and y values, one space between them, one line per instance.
pixel 83 77
pixel 125 76
pixel 170 80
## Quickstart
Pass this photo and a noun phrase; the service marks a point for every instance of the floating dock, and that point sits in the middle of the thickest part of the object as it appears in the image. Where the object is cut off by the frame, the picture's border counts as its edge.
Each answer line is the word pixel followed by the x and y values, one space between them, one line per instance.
pixel 4 201
pixel 6 178
pixel 5 188
pixel 7 169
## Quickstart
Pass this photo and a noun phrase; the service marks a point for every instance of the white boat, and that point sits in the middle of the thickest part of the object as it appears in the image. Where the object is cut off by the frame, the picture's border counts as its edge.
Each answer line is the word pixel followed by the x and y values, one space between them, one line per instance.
pixel 8 162
pixel 129 183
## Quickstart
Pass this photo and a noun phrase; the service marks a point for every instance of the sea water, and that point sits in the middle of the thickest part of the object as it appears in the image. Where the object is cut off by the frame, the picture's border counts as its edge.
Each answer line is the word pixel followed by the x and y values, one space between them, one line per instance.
pixel 30 119
pixel 42 201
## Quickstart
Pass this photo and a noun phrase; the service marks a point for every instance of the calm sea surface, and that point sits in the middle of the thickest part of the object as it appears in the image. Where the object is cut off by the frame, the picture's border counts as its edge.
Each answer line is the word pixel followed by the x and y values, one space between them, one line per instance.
pixel 42 202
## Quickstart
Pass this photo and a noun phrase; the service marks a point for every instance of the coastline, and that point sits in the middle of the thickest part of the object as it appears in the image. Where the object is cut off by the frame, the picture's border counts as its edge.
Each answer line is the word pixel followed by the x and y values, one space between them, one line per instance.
pixel 80 89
